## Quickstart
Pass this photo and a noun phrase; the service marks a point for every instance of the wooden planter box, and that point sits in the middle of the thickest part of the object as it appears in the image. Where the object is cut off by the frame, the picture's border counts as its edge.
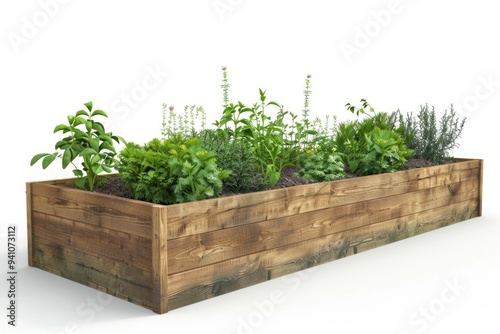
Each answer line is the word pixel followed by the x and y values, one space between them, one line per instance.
pixel 164 257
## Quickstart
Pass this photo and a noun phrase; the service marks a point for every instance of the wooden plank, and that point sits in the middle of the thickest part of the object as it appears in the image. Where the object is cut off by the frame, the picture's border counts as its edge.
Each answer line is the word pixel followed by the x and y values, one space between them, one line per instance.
pixel 205 282
pixel 100 273
pixel 199 250
pixel 159 260
pixel 111 212
pixel 118 246
pixel 481 171
pixel 29 212
pixel 203 216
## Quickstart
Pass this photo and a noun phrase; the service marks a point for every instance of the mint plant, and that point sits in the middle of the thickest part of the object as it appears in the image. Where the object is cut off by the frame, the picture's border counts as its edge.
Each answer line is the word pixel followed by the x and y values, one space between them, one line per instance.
pixel 88 141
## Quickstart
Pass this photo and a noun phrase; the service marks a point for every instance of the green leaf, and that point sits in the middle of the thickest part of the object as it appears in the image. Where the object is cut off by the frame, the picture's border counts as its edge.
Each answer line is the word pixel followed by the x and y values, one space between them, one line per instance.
pixel 66 158
pixel 48 160
pixel 38 157
pixel 274 178
pixel 99 112
pixel 106 169
pixel 88 125
pixel 65 128
pixel 81 112
pixel 89 105
pixel 79 120
pixel 95 159
pixel 88 151
pixel 99 128
pixel 80 182
pixel 77 173
pixel 97 169
pixel 62 144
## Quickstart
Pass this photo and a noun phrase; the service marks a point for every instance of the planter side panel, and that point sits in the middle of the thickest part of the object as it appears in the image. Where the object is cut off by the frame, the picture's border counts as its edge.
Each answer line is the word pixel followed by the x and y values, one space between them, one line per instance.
pixel 341 221
pixel 92 239
pixel 227 212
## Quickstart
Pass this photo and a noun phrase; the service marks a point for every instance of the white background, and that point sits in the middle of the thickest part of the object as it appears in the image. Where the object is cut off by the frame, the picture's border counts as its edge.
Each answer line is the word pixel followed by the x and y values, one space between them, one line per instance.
pixel 57 55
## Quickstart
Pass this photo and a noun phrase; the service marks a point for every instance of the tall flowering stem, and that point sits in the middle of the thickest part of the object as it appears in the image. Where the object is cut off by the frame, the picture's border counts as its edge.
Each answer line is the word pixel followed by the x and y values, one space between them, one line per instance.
pixel 225 88
pixel 306 111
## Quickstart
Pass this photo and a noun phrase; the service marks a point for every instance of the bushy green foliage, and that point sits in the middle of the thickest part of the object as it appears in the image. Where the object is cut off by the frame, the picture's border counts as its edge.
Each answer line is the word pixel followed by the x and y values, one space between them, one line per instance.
pixel 374 144
pixel 170 171
pixel 87 140
pixel 237 157
pixel 266 136
pixel 322 166
pixel 429 139
pixel 385 152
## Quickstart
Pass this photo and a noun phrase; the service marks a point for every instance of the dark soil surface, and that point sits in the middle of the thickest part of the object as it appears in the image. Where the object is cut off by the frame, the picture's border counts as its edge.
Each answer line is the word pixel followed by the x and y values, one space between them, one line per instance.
pixel 115 186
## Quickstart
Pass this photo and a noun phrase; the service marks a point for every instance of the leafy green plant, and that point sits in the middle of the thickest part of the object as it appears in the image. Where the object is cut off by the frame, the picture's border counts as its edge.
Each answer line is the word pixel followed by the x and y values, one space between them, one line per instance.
pixel 170 171
pixel 385 152
pixel 373 145
pixel 322 165
pixel 87 140
pixel 265 136
pixel 432 140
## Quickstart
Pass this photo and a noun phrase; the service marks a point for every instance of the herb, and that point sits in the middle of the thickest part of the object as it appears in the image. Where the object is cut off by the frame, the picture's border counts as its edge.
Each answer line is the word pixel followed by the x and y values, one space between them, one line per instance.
pixel 170 171
pixel 89 141
pixel 430 140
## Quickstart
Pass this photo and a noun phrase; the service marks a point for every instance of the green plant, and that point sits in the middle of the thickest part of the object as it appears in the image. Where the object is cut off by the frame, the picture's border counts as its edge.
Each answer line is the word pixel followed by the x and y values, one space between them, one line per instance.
pixel 237 157
pixel 265 136
pixel 430 140
pixel 322 165
pixel 87 140
pixel 385 152
pixel 171 170
pixel 374 144
pixel 225 88
pixel 184 124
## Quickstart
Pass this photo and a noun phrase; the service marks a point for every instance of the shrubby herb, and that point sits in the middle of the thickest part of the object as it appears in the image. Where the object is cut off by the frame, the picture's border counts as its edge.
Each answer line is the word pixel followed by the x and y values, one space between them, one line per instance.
pixel 87 140
pixel 430 140
pixel 237 157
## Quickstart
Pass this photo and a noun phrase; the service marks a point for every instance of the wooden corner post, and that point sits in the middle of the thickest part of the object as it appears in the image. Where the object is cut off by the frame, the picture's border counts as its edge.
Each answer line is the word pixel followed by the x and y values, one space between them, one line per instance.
pixel 29 220
pixel 159 257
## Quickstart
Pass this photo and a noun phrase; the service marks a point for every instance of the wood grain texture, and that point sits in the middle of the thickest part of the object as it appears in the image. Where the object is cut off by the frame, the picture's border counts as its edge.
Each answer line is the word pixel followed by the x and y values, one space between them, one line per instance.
pixel 221 213
pixel 160 260
pixel 164 257
pixel 222 277
pixel 211 247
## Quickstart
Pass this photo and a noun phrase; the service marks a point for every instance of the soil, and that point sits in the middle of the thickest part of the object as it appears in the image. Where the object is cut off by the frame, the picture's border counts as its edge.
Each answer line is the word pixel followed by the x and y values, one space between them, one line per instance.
pixel 115 186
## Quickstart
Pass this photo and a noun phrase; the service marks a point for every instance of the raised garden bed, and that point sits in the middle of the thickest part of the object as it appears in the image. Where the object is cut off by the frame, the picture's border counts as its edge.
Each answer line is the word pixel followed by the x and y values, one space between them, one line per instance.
pixel 164 257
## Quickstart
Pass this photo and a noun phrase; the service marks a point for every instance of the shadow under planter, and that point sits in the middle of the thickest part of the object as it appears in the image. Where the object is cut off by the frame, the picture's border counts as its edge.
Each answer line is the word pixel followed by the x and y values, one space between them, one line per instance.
pixel 167 256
